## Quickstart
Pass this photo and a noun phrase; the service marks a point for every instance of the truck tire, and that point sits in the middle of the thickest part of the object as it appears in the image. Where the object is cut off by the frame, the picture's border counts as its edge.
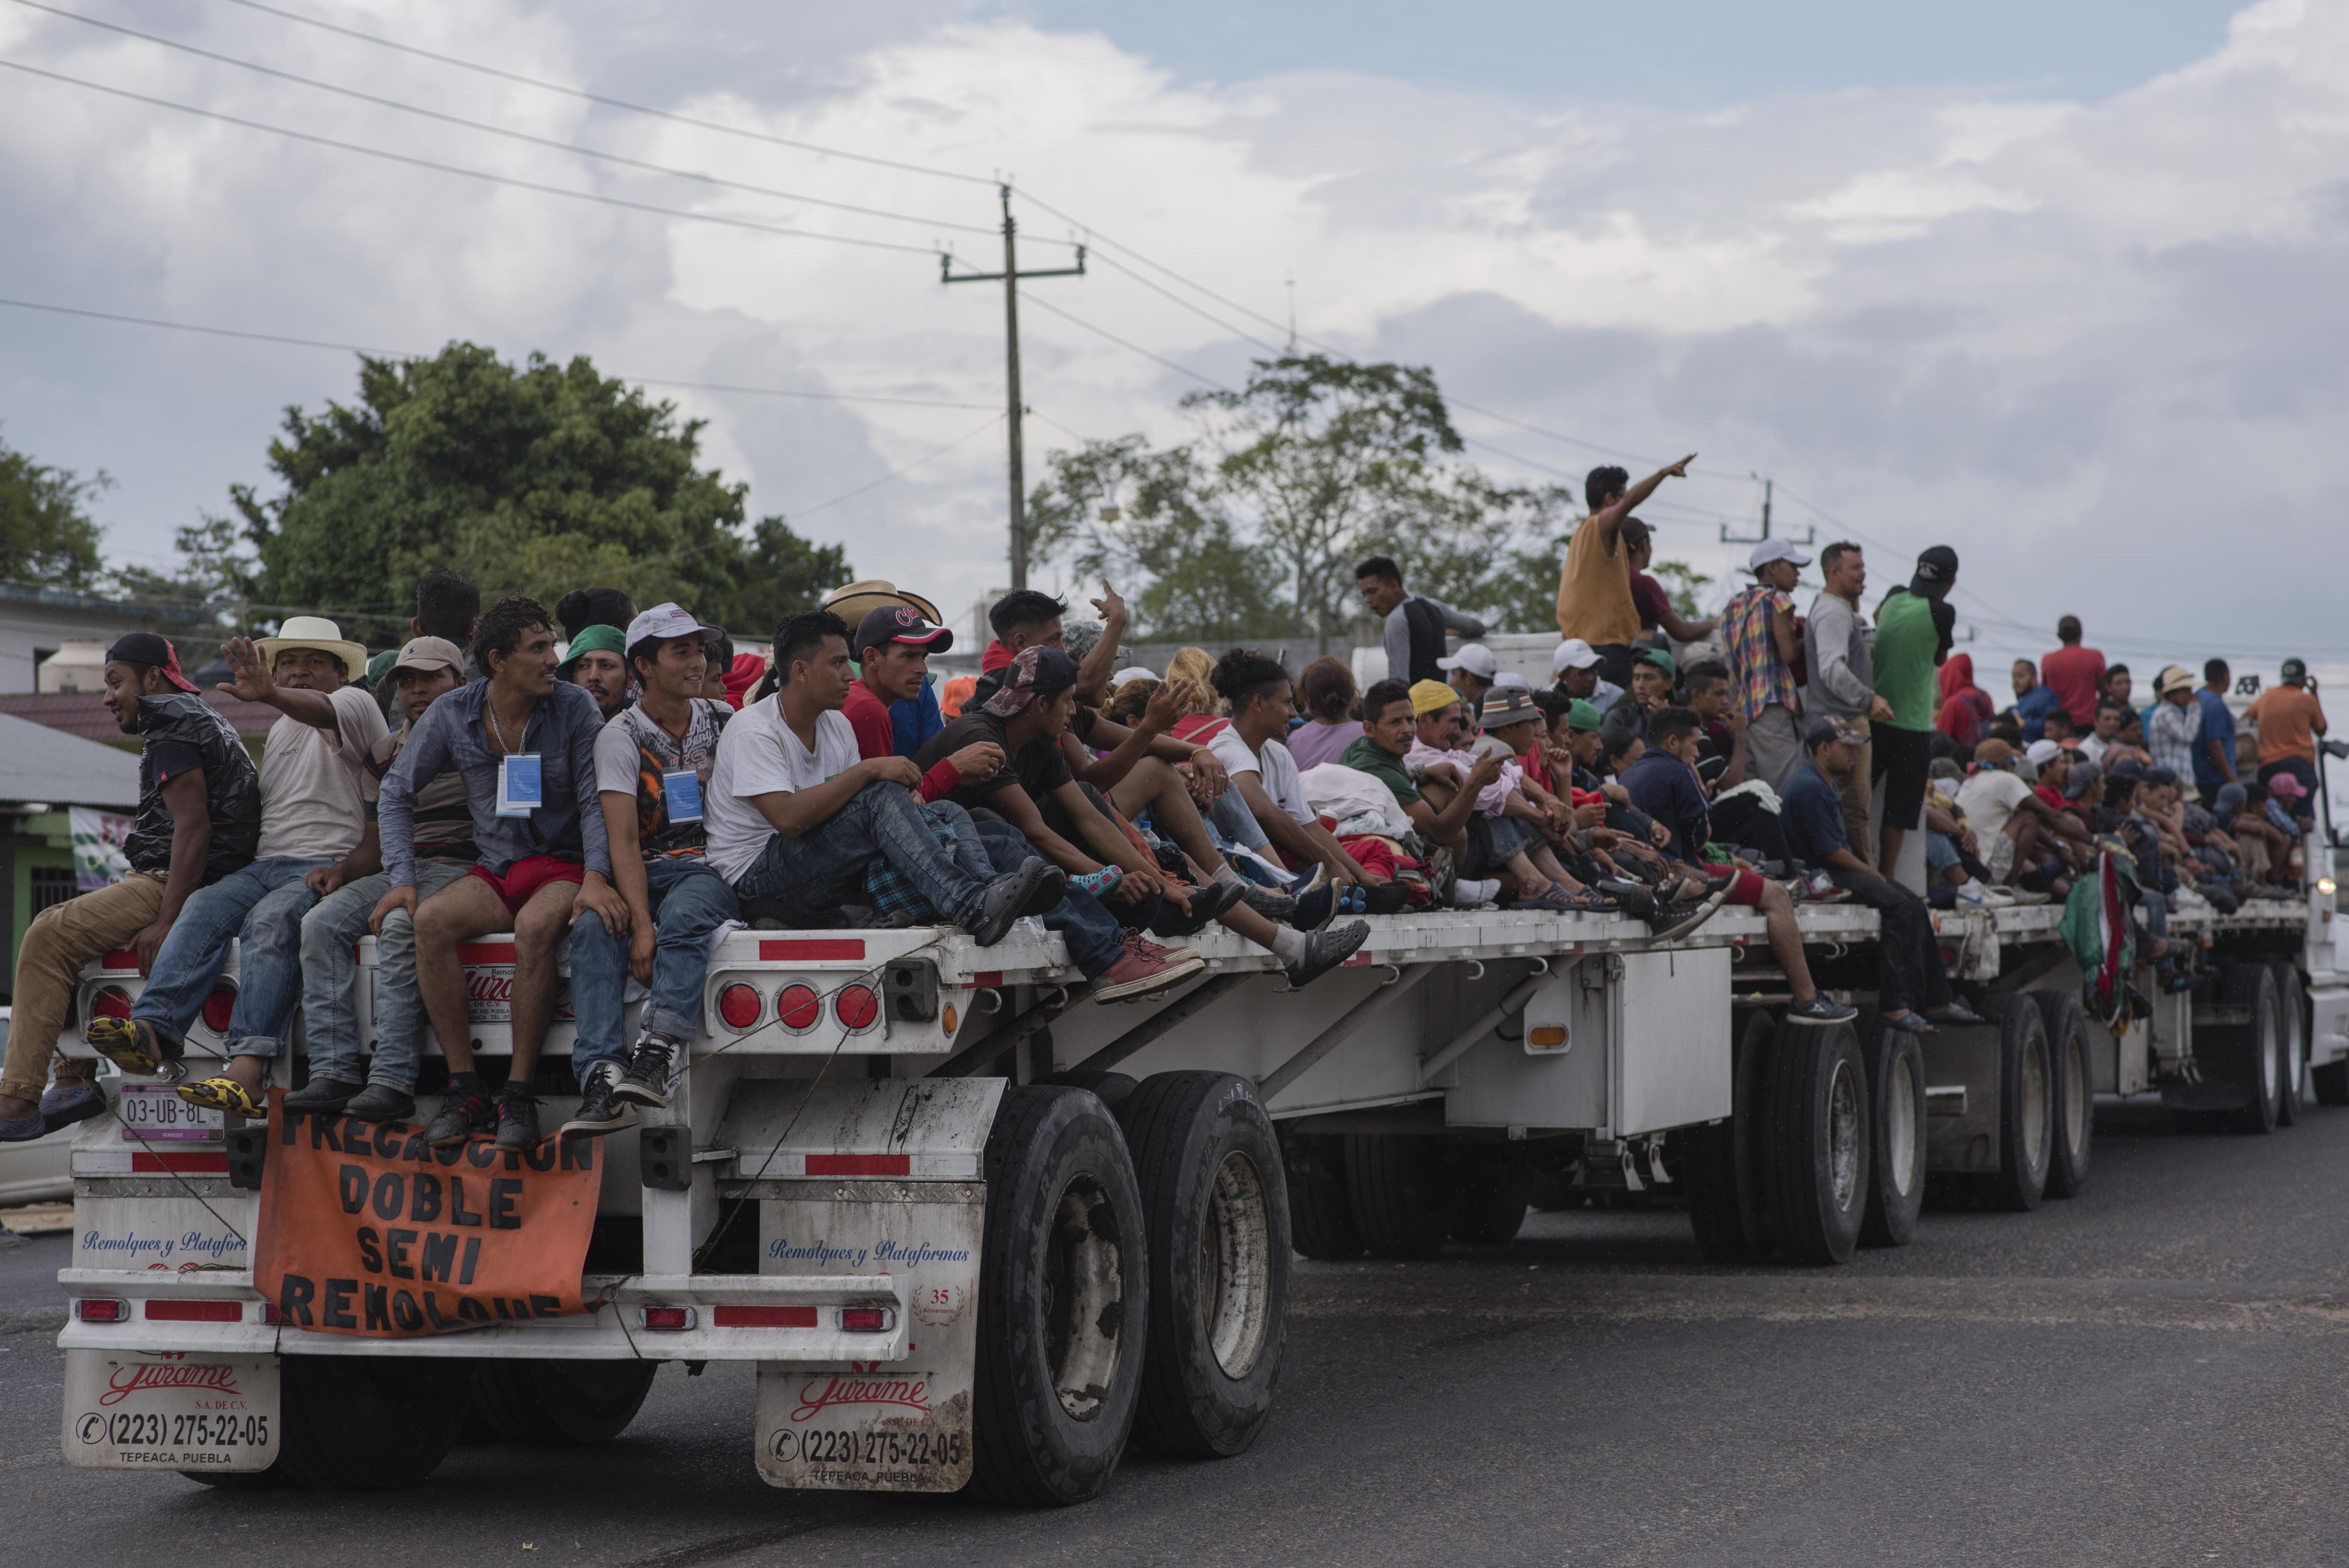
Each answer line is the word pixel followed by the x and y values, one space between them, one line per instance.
pixel 1818 1145
pixel 1321 1214
pixel 1896 1089
pixel 2258 1062
pixel 1723 1165
pixel 1210 1172
pixel 560 1404
pixel 2071 1090
pixel 1492 1186
pixel 2026 1107
pixel 369 1423
pixel 1396 1181
pixel 2291 1019
pixel 1063 1300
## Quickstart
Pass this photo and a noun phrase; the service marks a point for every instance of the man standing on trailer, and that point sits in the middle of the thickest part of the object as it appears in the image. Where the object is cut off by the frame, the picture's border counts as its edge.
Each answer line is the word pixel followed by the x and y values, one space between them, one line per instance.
pixel 311 816
pixel 1594 584
pixel 1913 629
pixel 1763 645
pixel 198 816
pixel 1839 651
pixel 1410 625
pixel 1908 955
pixel 652 761
pixel 524 744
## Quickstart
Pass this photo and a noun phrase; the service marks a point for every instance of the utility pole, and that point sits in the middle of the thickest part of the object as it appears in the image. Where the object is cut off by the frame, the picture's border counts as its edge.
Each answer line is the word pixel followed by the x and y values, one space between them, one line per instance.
pixel 1769 487
pixel 1011 275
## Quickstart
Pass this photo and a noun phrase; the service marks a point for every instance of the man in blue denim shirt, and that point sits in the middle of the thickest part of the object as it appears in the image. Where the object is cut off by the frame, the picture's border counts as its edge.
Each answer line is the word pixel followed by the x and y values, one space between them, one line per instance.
pixel 525 746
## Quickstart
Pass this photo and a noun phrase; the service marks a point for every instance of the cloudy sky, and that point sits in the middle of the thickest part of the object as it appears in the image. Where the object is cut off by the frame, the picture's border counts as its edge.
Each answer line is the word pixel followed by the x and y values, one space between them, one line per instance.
pixel 2057 283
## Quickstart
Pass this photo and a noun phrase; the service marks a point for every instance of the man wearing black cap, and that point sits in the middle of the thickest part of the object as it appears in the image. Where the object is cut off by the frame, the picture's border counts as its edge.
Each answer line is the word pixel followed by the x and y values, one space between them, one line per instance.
pixel 199 817
pixel 892 646
pixel 1913 626
pixel 1907 954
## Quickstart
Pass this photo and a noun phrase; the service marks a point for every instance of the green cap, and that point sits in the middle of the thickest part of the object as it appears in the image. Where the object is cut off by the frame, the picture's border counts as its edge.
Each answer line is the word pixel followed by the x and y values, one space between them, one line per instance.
pixel 594 639
pixel 1660 659
pixel 381 662
pixel 1581 715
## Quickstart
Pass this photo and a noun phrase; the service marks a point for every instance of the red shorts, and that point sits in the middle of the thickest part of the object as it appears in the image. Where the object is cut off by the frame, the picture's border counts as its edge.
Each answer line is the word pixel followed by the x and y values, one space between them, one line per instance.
pixel 1745 887
pixel 527 875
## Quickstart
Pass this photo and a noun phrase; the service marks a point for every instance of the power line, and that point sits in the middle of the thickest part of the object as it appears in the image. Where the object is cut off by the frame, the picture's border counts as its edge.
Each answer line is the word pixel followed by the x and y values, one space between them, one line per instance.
pixel 400 354
pixel 472 173
pixel 582 94
pixel 487 129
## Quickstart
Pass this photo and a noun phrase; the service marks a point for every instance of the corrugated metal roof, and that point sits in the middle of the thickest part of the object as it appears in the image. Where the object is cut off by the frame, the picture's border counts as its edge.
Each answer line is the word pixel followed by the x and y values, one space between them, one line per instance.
pixel 39 763
pixel 85 713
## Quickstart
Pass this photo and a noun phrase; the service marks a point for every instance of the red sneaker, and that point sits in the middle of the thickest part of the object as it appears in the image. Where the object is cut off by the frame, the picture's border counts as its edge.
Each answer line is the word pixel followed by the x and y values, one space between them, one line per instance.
pixel 1134 975
pixel 1143 946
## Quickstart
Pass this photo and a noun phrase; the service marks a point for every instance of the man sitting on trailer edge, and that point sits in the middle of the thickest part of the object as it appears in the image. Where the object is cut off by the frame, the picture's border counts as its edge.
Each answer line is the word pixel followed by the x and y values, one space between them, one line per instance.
pixel 1909 954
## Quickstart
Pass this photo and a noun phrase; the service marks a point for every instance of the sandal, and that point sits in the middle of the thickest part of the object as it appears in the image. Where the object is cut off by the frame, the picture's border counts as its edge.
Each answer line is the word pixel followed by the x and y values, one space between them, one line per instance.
pixel 135 1046
pixel 225 1094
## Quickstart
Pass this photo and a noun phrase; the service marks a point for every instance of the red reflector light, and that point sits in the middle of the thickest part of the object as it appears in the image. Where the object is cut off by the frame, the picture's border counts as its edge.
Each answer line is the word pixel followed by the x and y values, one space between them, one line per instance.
pixel 867 1320
pixel 856 1007
pixel 763 1316
pixel 818 950
pixel 797 1008
pixel 112 1003
pixel 101 1309
pixel 860 1165
pixel 269 1313
pixel 141 1161
pixel 195 1312
pixel 739 1005
pixel 669 1319
pixel 220 1007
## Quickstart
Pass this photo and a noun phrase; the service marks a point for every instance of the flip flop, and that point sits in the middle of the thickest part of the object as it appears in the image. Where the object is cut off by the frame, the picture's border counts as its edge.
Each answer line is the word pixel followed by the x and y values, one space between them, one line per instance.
pixel 225 1094
pixel 135 1046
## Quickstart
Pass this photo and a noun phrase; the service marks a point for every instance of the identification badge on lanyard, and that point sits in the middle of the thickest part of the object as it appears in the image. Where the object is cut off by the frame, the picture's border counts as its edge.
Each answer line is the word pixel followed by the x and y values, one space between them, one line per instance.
pixel 681 796
pixel 522 789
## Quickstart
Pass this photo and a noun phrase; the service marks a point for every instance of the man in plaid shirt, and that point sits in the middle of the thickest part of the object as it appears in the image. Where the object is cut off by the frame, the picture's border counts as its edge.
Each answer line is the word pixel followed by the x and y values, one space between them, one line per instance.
pixel 1763 645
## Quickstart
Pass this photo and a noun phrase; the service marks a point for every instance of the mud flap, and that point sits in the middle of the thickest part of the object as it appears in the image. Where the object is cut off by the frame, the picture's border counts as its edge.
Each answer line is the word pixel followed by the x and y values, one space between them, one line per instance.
pixel 142 1410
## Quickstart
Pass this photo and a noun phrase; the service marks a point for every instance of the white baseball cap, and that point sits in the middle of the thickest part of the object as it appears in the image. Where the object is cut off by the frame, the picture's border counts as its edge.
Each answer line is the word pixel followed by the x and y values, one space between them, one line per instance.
pixel 1474 658
pixel 1131 672
pixel 1572 654
pixel 1770 550
pixel 666 620
pixel 2041 752
pixel 1511 678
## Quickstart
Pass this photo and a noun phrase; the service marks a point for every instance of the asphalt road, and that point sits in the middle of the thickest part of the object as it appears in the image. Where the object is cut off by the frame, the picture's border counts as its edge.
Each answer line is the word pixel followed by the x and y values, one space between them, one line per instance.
pixel 2150 1374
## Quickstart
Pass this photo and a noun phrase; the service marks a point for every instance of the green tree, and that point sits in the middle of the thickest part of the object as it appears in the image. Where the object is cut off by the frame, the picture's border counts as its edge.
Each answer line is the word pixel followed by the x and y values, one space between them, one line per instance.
pixel 535 478
pixel 1253 529
pixel 47 538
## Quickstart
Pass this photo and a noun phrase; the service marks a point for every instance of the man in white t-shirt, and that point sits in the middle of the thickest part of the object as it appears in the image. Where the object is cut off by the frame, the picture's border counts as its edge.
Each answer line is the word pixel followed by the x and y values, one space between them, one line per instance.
pixel 313 814
pixel 1264 774
pixel 796 818
pixel 2013 825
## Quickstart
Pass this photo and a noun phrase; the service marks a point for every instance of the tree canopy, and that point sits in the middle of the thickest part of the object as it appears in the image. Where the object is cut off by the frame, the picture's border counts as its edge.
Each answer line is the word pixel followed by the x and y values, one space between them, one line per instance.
pixel 1253 529
pixel 534 478
pixel 47 538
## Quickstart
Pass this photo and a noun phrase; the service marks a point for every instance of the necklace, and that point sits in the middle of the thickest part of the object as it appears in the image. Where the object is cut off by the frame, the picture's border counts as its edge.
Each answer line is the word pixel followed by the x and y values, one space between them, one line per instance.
pixel 498 725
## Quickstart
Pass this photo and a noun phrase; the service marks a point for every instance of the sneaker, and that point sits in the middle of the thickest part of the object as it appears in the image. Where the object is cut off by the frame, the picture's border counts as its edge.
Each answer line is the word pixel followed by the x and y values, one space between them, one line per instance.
pixel 1133 975
pixel 1820 1009
pixel 600 1109
pixel 1207 903
pixel 1972 895
pixel 645 1080
pixel 1673 921
pixel 1265 901
pixel 382 1103
pixel 1317 904
pixel 2024 896
pixel 517 1119
pixel 323 1095
pixel 1822 889
pixel 136 1047
pixel 70 1100
pixel 1032 889
pixel 461 1115
pixel 1467 892
pixel 1325 950
pixel 1141 946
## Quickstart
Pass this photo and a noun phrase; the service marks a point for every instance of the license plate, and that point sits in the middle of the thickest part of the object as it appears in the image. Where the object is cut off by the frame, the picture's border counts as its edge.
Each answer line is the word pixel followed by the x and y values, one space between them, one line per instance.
pixel 154 1113
pixel 157 1411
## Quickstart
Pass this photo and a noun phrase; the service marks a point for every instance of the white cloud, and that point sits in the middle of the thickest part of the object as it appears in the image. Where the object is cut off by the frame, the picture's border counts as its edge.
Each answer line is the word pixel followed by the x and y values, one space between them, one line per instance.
pixel 2084 342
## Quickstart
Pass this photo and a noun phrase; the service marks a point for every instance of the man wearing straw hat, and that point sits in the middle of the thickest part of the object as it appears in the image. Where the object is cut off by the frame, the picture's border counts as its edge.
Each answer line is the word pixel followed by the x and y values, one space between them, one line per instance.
pixel 312 815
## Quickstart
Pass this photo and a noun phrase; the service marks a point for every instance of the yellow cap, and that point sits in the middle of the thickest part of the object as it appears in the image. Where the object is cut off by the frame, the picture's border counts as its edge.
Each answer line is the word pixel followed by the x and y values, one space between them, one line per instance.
pixel 1427 696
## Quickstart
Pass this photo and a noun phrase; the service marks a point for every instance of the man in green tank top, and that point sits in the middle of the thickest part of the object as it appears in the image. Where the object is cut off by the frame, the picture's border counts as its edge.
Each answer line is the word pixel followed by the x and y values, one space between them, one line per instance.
pixel 1912 637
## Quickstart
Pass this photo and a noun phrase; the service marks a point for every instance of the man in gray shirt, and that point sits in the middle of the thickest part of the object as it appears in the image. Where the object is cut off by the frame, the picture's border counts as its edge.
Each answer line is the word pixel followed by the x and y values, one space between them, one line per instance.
pixel 1412 626
pixel 1838 649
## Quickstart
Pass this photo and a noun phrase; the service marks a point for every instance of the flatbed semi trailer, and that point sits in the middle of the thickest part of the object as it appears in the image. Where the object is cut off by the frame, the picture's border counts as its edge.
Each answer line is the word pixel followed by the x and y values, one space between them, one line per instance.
pixel 974 1227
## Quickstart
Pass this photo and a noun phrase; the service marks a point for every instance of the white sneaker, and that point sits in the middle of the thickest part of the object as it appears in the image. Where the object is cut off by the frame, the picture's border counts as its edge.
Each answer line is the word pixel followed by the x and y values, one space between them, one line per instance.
pixel 1972 895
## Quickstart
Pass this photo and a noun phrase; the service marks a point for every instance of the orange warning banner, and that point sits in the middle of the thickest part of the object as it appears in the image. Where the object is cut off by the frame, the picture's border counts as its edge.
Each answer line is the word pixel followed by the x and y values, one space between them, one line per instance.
pixel 366 1230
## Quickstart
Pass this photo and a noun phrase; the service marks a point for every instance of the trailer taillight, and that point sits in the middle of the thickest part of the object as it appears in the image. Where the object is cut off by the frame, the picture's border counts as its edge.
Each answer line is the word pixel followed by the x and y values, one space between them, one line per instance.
pixel 739 1005
pixel 798 1008
pixel 867 1320
pixel 195 1312
pixel 856 1007
pixel 113 1002
pixel 669 1318
pixel 220 1007
pixel 101 1309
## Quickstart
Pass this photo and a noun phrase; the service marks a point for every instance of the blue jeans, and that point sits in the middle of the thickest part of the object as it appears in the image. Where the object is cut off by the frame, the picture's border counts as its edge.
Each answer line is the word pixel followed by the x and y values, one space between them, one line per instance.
pixel 1091 933
pixel 824 866
pixel 261 907
pixel 690 900
pixel 330 976
pixel 1237 824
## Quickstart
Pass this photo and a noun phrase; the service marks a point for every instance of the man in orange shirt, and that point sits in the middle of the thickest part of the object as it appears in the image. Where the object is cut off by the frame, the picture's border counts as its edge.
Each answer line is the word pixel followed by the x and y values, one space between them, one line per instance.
pixel 2290 719
pixel 1594 587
